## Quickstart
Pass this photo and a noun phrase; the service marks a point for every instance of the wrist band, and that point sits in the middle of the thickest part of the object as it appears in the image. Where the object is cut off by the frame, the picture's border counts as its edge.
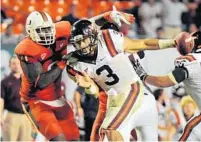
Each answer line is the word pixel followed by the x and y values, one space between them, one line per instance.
pixel 143 78
pixel 166 43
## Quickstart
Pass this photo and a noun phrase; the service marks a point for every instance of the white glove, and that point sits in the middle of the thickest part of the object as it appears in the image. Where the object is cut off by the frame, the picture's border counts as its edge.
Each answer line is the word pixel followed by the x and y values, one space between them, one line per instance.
pixel 117 17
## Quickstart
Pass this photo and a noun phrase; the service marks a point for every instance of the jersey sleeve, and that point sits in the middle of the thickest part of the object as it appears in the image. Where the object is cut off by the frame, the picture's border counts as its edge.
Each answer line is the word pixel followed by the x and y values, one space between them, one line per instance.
pixel 63 28
pixel 114 41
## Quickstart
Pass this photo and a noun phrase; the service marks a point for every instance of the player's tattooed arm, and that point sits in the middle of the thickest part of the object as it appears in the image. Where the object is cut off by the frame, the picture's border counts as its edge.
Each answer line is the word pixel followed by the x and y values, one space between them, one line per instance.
pixel 176 76
pixel 37 77
pixel 160 81
pixel 131 45
pixel 113 16
pixel 179 74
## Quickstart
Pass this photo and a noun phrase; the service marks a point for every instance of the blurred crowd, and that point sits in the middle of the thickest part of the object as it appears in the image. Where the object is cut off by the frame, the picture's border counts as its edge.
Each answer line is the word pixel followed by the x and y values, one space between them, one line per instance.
pixel 154 19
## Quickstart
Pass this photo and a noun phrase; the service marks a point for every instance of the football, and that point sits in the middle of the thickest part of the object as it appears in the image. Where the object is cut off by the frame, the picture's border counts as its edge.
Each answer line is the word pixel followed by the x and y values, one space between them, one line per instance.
pixel 184 43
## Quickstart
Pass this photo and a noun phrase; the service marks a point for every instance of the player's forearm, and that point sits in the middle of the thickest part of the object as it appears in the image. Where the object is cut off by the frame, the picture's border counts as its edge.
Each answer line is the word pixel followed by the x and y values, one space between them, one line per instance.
pixel 155 44
pixel 159 81
pixel 47 78
pixel 38 78
pixel 100 19
pixel 148 44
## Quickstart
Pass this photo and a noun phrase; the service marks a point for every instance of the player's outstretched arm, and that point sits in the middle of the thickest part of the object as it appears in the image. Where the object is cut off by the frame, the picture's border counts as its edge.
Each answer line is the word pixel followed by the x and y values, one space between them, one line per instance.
pixel 178 75
pixel 147 44
pixel 159 81
pixel 113 16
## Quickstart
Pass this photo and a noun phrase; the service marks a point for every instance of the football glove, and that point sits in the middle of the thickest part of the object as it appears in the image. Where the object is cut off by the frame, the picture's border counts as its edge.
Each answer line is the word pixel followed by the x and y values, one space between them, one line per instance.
pixel 70 59
pixel 115 16
pixel 139 70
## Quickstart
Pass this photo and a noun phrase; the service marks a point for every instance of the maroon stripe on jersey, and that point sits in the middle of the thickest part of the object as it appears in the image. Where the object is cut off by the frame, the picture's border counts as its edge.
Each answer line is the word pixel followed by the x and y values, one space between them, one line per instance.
pixel 127 106
pixel 72 71
pixel 109 43
pixel 189 127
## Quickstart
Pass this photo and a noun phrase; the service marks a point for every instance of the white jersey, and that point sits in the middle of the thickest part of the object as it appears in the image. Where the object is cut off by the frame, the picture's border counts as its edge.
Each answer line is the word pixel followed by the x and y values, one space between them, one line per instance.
pixel 192 63
pixel 127 106
pixel 112 70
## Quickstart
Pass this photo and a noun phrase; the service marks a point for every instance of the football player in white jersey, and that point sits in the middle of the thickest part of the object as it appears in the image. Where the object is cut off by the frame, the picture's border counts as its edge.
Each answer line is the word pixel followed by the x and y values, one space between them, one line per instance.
pixel 100 56
pixel 187 70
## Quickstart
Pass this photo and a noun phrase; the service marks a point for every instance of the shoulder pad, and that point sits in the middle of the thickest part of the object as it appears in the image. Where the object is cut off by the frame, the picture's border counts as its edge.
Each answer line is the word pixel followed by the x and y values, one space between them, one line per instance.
pixel 28 48
pixel 63 28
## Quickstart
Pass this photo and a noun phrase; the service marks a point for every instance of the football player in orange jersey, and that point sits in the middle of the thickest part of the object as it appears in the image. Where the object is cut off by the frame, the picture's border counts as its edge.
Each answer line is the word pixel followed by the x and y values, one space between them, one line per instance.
pixel 40 56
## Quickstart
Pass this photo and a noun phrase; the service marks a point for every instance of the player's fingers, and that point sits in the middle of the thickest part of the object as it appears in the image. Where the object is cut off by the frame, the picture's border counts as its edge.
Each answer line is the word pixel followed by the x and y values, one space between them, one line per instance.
pixel 128 18
pixel 118 22
pixel 125 20
pixel 77 76
pixel 114 8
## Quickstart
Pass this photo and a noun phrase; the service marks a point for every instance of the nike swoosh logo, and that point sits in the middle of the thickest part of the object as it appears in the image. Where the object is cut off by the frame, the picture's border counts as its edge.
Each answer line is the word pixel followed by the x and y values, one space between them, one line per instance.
pixel 43 56
pixel 61 44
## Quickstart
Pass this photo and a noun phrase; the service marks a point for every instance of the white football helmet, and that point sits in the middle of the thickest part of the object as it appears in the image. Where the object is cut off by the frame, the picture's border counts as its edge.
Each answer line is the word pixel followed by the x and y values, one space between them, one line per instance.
pixel 40 28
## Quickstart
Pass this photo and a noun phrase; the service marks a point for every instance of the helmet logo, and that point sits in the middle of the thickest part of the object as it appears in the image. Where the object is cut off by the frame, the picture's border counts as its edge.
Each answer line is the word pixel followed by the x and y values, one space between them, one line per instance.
pixel 88 30
pixel 29 22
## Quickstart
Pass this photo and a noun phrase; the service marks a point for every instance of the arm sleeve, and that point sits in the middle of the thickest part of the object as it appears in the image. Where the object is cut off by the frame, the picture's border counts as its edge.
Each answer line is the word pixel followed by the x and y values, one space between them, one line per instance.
pixel 36 76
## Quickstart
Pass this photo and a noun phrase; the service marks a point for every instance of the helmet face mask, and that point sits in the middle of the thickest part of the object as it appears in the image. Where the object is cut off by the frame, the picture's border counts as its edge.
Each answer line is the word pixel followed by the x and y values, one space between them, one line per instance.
pixel 40 28
pixel 85 46
pixel 46 35
pixel 84 37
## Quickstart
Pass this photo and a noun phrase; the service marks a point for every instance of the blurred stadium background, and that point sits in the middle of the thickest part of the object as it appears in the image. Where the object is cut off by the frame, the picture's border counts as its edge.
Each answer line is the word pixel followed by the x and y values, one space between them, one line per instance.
pixel 154 19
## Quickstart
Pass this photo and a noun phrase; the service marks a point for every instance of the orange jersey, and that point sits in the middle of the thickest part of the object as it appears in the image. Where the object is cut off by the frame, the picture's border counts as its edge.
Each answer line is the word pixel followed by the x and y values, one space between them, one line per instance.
pixel 33 52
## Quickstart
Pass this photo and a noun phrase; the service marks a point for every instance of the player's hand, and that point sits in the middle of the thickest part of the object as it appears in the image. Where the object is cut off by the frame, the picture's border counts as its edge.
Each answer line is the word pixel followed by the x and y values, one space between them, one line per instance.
pixel 83 81
pixel 115 16
pixel 61 64
pixel 139 70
